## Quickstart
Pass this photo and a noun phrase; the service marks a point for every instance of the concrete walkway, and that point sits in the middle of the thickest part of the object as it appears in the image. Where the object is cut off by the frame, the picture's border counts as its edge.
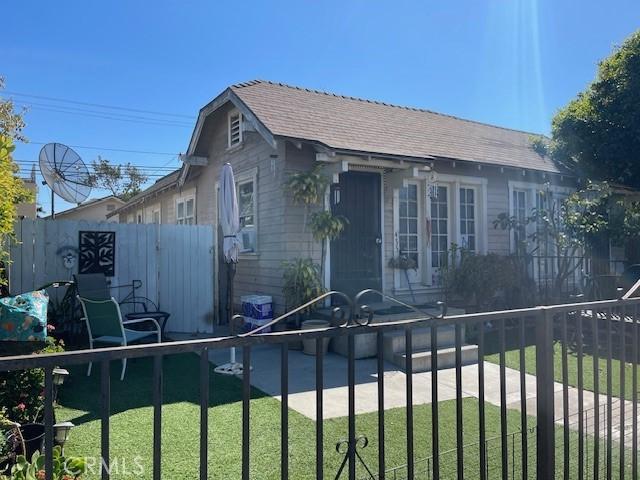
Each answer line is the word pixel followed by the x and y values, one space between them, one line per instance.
pixel 265 360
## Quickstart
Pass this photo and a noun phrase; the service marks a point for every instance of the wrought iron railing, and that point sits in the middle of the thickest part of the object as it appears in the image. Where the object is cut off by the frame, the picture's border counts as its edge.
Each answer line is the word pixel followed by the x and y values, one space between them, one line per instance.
pixel 600 331
pixel 558 279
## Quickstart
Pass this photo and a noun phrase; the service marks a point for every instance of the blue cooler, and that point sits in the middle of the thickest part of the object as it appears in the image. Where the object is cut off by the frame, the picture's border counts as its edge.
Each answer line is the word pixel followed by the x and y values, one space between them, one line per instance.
pixel 257 311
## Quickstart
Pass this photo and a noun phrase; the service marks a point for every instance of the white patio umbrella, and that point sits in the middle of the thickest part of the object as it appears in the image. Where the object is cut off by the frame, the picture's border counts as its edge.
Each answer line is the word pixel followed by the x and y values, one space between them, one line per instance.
pixel 230 224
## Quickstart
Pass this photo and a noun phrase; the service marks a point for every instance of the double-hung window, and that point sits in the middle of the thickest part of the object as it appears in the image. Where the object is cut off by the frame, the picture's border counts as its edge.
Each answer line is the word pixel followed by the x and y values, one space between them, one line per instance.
pixel 247 208
pixel 185 211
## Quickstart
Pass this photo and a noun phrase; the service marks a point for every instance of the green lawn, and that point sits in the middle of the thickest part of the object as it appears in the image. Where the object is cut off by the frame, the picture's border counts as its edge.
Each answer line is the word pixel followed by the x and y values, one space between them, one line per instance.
pixel 512 360
pixel 131 428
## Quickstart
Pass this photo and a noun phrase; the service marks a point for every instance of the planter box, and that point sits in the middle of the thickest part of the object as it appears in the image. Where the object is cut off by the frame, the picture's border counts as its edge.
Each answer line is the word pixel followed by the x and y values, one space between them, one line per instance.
pixel 365 345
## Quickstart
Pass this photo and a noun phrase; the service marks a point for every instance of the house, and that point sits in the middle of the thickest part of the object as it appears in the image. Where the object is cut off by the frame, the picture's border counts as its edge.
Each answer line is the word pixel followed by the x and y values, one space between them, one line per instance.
pixel 410 181
pixel 29 209
pixel 94 210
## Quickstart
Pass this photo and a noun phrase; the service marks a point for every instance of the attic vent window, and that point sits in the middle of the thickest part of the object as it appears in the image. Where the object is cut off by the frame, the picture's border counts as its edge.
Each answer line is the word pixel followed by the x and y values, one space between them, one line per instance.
pixel 235 128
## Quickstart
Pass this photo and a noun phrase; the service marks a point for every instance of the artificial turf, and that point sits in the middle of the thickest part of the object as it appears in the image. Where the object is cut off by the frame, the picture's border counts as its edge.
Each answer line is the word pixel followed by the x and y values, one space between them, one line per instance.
pixel 131 427
pixel 512 360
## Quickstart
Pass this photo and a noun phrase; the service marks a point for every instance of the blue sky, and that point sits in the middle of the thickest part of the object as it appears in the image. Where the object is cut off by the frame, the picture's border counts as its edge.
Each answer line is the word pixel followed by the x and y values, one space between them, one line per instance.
pixel 507 62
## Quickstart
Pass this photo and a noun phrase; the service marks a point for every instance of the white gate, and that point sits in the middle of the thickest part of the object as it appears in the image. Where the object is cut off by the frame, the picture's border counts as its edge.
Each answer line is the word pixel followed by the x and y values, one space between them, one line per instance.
pixel 175 264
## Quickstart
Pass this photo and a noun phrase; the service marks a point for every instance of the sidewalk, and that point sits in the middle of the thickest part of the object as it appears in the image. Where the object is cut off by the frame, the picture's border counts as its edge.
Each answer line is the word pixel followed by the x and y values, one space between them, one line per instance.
pixel 265 375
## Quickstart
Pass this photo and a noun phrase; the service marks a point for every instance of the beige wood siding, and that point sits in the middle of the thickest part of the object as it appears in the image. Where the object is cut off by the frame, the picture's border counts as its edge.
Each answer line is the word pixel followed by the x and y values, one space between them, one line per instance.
pixel 259 272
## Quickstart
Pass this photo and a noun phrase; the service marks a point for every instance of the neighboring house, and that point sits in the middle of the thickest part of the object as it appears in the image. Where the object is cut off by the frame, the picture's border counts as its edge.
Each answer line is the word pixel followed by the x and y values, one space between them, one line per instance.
pixel 29 209
pixel 410 181
pixel 157 204
pixel 94 210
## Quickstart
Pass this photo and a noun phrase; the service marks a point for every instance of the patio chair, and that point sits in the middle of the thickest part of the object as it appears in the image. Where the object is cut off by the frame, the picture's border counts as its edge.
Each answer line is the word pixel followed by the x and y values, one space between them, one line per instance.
pixel 105 326
pixel 95 286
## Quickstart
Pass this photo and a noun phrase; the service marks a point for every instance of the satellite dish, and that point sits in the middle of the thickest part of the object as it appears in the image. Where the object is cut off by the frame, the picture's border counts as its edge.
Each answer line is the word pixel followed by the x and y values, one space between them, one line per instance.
pixel 65 173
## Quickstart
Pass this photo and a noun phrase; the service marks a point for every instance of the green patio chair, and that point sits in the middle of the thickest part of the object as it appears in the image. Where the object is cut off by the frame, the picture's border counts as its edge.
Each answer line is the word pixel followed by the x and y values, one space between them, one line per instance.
pixel 105 326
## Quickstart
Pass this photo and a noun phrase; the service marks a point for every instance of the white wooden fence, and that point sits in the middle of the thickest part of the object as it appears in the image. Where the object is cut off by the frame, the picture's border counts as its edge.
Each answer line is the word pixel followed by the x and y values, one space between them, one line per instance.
pixel 175 264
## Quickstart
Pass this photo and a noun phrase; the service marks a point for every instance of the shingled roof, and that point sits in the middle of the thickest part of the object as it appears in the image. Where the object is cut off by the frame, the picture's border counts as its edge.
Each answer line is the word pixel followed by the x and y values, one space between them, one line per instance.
pixel 353 124
pixel 168 181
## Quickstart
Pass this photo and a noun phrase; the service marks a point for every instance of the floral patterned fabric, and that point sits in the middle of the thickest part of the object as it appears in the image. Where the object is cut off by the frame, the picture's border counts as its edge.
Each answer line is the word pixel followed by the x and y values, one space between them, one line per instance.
pixel 23 318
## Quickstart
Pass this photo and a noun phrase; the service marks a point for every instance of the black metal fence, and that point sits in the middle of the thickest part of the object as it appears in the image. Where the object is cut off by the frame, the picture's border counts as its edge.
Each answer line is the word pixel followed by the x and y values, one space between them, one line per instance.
pixel 604 332
pixel 557 279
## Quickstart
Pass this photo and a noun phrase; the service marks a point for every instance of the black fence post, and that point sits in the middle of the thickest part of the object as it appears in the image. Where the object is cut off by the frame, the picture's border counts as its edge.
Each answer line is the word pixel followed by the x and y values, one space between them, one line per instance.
pixel 544 394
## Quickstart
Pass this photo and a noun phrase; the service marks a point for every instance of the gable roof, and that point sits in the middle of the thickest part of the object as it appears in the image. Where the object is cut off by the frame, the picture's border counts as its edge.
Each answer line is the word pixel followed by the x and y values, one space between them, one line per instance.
pixel 352 124
pixel 168 181
pixel 90 203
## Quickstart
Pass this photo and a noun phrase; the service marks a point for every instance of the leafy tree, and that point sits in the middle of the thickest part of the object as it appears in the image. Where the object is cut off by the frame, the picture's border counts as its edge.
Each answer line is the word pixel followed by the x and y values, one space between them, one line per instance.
pixel 123 181
pixel 11 122
pixel 598 133
pixel 565 229
pixel 13 192
pixel 11 186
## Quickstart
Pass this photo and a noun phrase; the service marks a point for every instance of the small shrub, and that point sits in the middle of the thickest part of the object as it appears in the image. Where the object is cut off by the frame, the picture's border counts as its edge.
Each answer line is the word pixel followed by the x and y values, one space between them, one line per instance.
pixel 64 468
pixel 487 282
pixel 22 391
pixel 302 282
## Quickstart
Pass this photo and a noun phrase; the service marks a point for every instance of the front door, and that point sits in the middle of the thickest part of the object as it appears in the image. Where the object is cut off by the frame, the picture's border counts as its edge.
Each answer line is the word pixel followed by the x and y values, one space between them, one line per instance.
pixel 356 255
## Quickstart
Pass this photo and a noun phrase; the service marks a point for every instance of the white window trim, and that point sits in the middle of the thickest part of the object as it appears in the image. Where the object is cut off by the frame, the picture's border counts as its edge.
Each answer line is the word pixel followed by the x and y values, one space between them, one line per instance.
pixel 451 224
pixel 184 199
pixel 455 182
pixel 531 190
pixel 158 210
pixel 251 175
pixel 398 275
pixel 240 133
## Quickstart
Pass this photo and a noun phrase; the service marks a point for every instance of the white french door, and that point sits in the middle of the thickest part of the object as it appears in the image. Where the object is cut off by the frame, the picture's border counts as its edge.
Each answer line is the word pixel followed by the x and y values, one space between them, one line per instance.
pixel 408 232
pixel 440 236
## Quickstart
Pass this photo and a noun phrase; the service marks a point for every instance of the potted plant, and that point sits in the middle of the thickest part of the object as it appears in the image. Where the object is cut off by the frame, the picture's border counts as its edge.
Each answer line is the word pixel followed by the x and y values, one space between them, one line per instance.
pixel 22 399
pixel 405 263
pixel 303 277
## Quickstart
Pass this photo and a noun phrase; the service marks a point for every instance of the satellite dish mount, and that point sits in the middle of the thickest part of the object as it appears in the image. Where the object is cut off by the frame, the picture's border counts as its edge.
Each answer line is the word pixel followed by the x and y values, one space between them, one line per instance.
pixel 65 173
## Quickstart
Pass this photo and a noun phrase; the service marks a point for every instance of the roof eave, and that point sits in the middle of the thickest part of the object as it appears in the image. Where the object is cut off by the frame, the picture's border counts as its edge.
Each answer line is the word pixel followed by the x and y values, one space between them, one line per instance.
pixel 228 95
pixel 428 158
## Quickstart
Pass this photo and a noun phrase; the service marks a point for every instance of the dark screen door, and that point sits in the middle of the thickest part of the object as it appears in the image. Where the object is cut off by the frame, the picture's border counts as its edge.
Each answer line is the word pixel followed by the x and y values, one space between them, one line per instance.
pixel 355 255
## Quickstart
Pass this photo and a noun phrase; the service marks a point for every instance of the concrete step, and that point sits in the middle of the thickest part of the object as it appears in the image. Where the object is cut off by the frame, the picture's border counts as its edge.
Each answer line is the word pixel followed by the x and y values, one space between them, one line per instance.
pixel 394 342
pixel 421 359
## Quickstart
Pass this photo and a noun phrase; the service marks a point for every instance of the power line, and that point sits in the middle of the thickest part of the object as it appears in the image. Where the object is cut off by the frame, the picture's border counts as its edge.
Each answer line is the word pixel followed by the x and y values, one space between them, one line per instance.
pixel 159 122
pixel 151 172
pixel 99 105
pixel 143 152
pixel 139 167
pixel 87 110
